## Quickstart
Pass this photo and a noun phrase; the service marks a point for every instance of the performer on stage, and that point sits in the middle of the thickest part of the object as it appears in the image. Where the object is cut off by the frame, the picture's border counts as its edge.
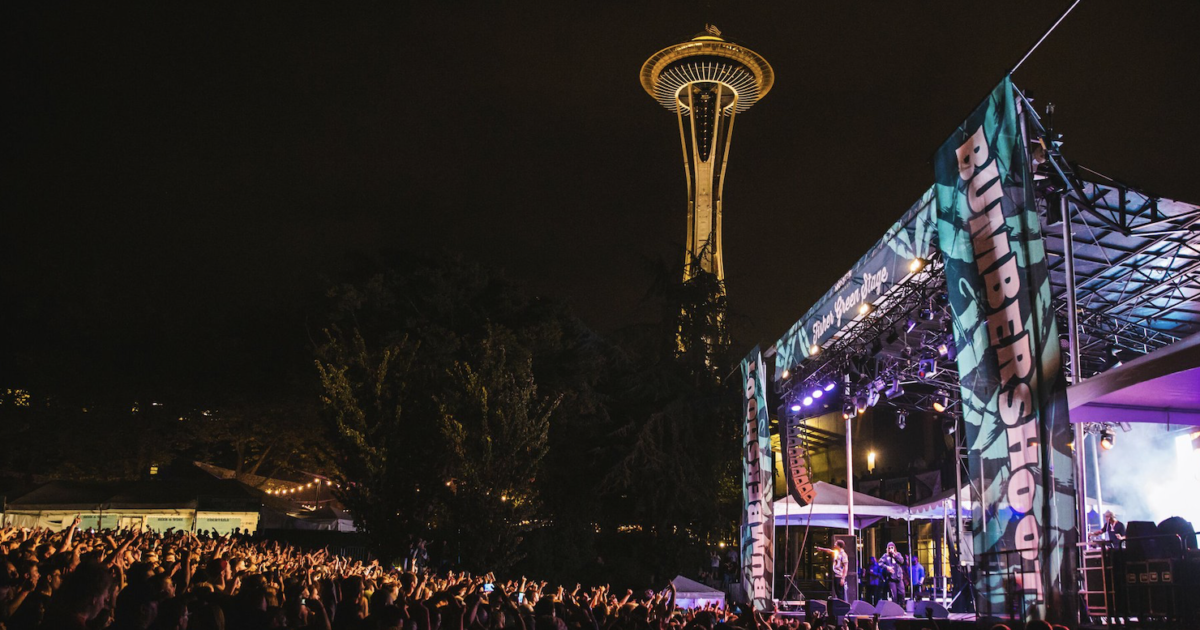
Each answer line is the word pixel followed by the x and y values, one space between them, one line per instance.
pixel 840 563
pixel 893 565
pixel 1113 532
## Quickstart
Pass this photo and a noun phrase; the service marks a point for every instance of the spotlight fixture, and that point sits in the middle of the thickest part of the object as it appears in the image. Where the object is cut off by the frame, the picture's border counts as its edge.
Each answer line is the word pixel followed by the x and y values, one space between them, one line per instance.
pixel 916 265
pixel 814 349
pixel 876 346
pixel 943 349
pixel 901 419
pixel 786 373
pixel 927 368
pixel 872 397
pixel 865 308
pixel 808 401
pixel 910 325
pixel 817 393
pixel 941 400
pixel 878 385
pixel 927 314
pixel 848 410
pixel 795 407
pixel 951 349
pixel 830 386
pixel 896 390
pixel 1107 438
pixel 860 403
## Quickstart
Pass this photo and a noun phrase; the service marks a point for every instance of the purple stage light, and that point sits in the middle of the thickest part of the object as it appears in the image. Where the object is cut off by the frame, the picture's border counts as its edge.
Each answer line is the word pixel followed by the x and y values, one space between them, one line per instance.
pixel 817 393
pixel 808 401
pixel 830 385
pixel 796 407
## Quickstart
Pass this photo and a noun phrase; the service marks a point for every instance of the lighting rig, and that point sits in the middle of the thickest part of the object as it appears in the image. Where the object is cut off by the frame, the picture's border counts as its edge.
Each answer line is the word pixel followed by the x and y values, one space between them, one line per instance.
pixel 1136 256
pixel 898 351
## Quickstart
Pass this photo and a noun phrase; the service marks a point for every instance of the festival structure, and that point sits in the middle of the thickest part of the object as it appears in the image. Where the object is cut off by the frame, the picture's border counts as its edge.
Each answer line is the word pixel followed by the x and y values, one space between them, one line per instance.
pixel 706 82
pixel 1014 277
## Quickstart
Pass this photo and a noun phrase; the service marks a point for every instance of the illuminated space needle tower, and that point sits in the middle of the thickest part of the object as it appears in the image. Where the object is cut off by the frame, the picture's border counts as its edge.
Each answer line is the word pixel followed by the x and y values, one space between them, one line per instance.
pixel 706 81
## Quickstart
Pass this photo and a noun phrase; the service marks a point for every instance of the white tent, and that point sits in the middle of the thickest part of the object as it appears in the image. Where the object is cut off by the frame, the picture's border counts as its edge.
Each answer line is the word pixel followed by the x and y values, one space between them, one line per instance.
pixel 942 504
pixel 692 594
pixel 830 509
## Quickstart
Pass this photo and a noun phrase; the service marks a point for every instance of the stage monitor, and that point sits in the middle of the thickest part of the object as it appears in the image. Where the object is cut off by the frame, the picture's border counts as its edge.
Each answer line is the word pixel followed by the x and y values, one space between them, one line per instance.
pixel 923 610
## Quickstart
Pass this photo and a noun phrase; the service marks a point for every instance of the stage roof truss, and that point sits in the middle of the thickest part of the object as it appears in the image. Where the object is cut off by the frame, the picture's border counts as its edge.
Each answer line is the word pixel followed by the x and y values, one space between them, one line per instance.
pixel 1137 276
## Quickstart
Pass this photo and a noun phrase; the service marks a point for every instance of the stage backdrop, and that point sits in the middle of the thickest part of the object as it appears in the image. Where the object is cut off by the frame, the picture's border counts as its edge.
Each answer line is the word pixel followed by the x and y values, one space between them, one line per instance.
pixel 1013 388
pixel 758 485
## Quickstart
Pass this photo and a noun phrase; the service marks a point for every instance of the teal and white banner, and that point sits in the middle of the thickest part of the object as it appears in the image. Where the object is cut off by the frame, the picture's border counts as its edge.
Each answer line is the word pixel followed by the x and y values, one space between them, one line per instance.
pixel 884 266
pixel 1009 363
pixel 758 485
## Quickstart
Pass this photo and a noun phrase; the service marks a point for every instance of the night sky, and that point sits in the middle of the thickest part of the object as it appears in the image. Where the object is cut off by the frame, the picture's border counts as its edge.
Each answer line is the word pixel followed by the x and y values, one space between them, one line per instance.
pixel 176 180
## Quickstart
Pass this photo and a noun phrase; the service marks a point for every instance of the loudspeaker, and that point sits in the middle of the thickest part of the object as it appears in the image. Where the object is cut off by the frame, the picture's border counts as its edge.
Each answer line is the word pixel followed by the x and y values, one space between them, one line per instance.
pixel 1140 544
pixel 921 610
pixel 838 608
pixel 814 606
pixel 889 608
pixel 859 607
pixel 1179 526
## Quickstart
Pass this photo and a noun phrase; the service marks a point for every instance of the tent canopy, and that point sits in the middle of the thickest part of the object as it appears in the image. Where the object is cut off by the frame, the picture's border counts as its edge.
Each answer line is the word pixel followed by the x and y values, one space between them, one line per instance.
pixel 940 505
pixel 829 509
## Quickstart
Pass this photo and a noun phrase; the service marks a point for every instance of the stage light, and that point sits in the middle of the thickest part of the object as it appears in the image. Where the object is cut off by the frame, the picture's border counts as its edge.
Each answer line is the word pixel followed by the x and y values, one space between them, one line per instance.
pixel 1106 439
pixel 848 410
pixel 796 407
pixel 873 398
pixel 785 374
pixel 860 403
pixel 808 401
pixel 901 419
pixel 865 308
pixel 896 390
pixel 942 349
pixel 910 325
pixel 814 349
pixel 927 314
pixel 927 368
pixel 941 400
pixel 916 265
pixel 830 386
pixel 878 385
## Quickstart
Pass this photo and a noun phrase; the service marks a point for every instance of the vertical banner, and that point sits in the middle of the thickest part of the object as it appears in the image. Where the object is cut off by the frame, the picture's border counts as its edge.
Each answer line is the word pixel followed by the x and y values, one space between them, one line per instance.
pixel 1012 384
pixel 758 485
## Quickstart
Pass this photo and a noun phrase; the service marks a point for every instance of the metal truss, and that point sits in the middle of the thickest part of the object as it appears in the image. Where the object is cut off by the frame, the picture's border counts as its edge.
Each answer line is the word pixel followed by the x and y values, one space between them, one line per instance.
pixel 897 342
pixel 1137 276
pixel 1136 255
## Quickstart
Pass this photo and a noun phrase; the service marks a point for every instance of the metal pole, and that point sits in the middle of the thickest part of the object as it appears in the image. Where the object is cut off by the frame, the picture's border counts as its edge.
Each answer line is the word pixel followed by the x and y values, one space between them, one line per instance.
pixel 1064 206
pixel 849 478
pixel 1096 467
pixel 958 488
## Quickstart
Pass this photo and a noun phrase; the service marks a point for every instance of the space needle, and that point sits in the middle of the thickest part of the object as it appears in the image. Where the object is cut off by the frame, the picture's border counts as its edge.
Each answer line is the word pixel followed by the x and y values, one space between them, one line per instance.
pixel 706 81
